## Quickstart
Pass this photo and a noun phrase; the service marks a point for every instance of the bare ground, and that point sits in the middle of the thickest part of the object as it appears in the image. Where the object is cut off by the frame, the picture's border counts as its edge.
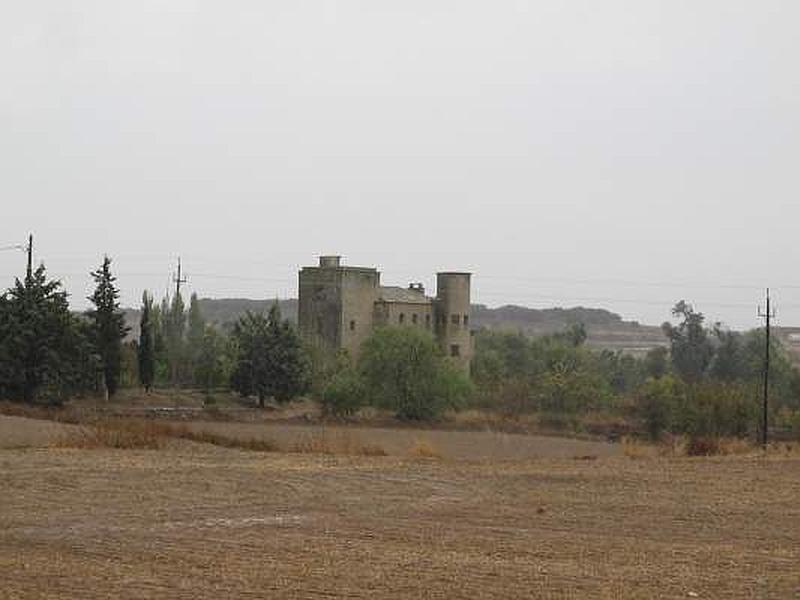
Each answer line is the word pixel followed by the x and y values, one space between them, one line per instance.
pixel 203 522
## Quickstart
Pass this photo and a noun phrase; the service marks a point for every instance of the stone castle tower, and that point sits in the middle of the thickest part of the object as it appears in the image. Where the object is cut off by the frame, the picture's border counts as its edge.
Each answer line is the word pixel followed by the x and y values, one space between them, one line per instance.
pixel 340 306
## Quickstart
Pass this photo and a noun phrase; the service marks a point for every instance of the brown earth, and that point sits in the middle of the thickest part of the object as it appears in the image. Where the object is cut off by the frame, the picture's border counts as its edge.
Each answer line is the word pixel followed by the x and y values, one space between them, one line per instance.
pixel 204 522
pixel 19 432
pixel 458 445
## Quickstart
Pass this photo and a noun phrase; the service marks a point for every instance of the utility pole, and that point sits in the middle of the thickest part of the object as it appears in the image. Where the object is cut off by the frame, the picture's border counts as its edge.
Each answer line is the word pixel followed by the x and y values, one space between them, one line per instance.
pixel 30 258
pixel 768 315
pixel 179 280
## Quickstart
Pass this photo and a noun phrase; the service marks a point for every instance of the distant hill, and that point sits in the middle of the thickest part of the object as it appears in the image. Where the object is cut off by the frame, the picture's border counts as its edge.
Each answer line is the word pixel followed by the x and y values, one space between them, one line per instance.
pixel 606 329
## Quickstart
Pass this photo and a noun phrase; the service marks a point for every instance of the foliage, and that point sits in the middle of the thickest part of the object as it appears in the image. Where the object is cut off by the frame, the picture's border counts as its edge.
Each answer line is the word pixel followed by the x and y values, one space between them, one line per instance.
pixel 691 349
pixel 345 393
pixel 656 362
pixel 41 344
pixel 658 402
pixel 108 325
pixel 195 333
pixel 147 344
pixel 709 408
pixel 270 359
pixel 405 371
pixel 174 315
pixel 212 365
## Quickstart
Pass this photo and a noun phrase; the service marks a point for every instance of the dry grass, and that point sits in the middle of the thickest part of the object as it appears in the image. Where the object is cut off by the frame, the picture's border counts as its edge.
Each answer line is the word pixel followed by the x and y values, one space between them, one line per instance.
pixel 424 449
pixel 678 446
pixel 636 449
pixel 128 434
pixel 335 443
pixel 149 434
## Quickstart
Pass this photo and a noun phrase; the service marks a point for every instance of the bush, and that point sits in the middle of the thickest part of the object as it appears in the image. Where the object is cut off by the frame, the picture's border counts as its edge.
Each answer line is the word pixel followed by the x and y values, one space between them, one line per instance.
pixel 657 404
pixel 719 409
pixel 344 394
pixel 405 371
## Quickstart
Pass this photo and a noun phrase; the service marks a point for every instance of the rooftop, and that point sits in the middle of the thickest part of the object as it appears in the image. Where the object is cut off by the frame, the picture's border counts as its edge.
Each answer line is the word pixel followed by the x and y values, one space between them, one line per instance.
pixel 402 295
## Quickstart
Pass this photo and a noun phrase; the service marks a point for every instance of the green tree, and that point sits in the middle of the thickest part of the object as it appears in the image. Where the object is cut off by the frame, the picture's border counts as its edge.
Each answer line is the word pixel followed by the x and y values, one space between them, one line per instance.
pixel 194 337
pixel 658 404
pixel 147 344
pixel 271 362
pixel 174 337
pixel 109 324
pixel 690 347
pixel 345 393
pixel 35 329
pixel 211 366
pixel 729 360
pixel 405 371
pixel 656 362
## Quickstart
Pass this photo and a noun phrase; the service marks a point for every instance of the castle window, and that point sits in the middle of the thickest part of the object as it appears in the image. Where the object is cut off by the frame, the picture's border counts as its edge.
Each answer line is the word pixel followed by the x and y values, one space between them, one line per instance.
pixel 414 318
pixel 352 325
pixel 402 318
pixel 466 320
pixel 455 351
pixel 455 319
pixel 428 321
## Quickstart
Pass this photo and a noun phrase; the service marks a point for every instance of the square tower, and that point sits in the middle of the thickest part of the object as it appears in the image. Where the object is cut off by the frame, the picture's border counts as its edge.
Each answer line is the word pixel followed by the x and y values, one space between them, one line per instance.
pixel 337 305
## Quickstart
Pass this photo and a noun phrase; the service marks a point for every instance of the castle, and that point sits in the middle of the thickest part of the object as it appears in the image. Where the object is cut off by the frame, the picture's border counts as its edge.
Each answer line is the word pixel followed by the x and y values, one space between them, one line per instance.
pixel 341 306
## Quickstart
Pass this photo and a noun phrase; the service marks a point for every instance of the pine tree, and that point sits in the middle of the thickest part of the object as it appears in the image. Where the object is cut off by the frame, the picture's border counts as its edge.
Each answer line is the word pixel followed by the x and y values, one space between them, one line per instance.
pixel 270 358
pixel 109 324
pixel 35 325
pixel 147 344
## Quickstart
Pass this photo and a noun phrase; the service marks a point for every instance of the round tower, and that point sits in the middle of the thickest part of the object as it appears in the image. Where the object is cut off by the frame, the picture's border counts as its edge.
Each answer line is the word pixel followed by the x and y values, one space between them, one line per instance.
pixel 453 312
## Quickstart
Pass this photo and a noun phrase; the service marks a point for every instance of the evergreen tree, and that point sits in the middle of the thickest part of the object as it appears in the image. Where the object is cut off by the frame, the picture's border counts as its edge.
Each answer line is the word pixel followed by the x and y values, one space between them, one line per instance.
pixel 147 344
pixel 270 359
pixel 109 325
pixel 35 328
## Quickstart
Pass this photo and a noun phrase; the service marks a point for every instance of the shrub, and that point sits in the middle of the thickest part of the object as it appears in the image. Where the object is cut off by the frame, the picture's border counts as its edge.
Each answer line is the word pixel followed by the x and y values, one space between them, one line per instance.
pixel 719 409
pixel 344 394
pixel 703 446
pixel 405 371
pixel 657 404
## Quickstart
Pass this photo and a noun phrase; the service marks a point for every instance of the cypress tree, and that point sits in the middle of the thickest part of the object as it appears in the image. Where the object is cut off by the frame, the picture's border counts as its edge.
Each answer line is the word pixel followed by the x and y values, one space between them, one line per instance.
pixel 147 344
pixel 109 325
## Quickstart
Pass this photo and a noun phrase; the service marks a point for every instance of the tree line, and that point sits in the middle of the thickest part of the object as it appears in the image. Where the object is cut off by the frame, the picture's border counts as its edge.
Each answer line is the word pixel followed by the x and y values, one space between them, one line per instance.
pixel 49 353
pixel 704 381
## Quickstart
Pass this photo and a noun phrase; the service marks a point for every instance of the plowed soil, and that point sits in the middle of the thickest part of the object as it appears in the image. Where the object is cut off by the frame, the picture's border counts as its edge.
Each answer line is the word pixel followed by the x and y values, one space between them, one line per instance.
pixel 204 522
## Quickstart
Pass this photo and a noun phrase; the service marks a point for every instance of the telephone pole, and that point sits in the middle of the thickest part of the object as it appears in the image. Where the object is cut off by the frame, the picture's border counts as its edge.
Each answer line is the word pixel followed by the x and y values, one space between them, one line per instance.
pixel 30 258
pixel 768 315
pixel 179 280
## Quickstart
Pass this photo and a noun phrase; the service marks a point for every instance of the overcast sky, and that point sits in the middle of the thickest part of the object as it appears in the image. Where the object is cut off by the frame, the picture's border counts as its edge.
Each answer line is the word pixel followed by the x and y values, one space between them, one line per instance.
pixel 616 154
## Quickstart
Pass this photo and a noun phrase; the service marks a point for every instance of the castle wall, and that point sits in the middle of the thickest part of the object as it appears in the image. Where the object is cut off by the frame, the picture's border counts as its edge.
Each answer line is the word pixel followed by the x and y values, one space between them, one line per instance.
pixel 402 314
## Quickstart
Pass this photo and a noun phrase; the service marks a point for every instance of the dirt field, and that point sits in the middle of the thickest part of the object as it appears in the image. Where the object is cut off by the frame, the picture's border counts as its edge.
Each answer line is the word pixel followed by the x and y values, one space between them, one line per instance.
pixel 18 432
pixel 204 522
pixel 456 445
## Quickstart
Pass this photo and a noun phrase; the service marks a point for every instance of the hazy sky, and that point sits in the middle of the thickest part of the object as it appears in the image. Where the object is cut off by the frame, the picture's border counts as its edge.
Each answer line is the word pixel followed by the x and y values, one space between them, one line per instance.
pixel 618 154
